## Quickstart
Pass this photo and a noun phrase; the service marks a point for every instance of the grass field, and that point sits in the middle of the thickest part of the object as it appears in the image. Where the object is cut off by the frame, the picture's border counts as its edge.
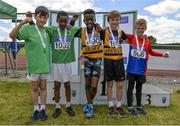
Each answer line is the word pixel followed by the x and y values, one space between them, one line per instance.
pixel 16 109
pixel 20 53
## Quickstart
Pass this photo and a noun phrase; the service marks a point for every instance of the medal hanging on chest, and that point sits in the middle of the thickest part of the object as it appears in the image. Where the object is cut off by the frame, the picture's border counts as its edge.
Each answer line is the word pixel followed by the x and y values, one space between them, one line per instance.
pixel 138 54
pixel 139 50
pixel 42 37
pixel 63 41
pixel 89 39
pixel 115 43
pixel 60 36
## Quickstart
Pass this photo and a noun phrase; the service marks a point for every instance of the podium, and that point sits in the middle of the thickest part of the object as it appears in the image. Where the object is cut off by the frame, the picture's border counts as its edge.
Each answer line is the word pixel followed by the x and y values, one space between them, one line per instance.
pixel 151 95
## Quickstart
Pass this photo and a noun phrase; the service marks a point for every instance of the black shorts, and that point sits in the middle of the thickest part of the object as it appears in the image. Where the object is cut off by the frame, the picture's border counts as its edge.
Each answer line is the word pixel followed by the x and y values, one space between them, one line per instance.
pixel 114 70
pixel 136 77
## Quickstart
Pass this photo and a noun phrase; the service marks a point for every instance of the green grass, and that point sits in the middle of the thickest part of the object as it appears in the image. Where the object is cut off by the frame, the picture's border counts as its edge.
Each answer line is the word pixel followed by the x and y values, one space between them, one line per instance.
pixel 20 53
pixel 16 109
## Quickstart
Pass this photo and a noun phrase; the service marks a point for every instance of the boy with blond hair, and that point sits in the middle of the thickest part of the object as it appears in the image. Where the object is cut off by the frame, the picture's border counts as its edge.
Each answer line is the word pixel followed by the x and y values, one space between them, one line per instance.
pixel 140 49
pixel 113 61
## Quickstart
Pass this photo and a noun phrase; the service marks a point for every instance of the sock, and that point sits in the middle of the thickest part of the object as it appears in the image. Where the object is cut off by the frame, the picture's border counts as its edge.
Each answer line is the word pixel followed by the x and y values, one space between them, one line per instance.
pixel 130 107
pixel 58 105
pixel 36 107
pixel 43 107
pixel 111 104
pixel 91 105
pixel 118 104
pixel 90 102
pixel 68 104
pixel 139 107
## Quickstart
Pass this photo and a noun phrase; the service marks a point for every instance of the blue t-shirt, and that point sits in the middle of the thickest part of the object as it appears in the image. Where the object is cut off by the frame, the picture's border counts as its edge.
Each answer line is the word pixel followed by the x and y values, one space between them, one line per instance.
pixel 14 46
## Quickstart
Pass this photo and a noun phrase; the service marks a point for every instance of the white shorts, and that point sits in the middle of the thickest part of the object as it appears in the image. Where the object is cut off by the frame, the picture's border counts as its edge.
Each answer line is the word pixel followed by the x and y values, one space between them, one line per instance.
pixel 61 72
pixel 36 77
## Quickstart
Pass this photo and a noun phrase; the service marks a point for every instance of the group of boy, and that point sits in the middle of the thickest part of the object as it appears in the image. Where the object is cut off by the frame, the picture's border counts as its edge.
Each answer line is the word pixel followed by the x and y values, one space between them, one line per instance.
pixel 96 43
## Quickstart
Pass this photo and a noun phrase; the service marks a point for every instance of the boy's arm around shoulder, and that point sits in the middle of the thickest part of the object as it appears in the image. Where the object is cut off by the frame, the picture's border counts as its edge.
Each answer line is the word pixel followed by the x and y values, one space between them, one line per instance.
pixel 50 30
pixel 78 33
pixel 125 37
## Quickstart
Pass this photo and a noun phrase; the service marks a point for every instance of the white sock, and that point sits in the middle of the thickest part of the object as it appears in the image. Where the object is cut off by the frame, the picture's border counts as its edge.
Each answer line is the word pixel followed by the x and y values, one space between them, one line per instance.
pixel 58 105
pixel 68 104
pixel 111 104
pixel 36 107
pixel 43 107
pixel 118 104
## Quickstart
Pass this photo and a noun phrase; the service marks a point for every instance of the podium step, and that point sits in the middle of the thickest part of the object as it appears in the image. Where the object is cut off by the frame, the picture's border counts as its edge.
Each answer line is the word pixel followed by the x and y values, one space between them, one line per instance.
pixel 154 96
pixel 151 95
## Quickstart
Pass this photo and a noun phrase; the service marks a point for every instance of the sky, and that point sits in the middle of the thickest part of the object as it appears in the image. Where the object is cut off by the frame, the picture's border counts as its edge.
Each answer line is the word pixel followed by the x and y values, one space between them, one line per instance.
pixel 163 16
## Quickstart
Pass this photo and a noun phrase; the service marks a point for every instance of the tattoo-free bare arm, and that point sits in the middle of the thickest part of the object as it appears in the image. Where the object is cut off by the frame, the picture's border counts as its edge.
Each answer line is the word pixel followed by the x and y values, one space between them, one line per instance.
pixel 13 33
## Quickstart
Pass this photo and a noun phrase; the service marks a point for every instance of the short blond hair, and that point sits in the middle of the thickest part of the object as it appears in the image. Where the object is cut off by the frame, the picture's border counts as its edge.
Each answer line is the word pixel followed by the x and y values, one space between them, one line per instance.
pixel 114 14
pixel 141 22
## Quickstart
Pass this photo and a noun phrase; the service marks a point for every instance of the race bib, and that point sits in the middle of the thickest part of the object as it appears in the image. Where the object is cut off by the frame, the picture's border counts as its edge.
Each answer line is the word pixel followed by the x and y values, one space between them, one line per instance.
pixel 113 44
pixel 96 41
pixel 138 54
pixel 62 45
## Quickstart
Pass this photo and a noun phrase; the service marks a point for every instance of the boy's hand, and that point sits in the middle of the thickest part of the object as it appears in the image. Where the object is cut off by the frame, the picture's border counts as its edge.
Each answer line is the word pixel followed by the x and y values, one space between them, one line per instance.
pixel 27 20
pixel 97 27
pixel 68 26
pixel 74 18
pixel 145 36
pixel 166 54
pixel 29 14
pixel 80 57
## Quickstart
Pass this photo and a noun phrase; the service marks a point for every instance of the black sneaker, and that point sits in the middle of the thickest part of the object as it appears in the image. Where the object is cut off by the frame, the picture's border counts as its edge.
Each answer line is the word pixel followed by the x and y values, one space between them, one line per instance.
pixel 35 115
pixel 142 111
pixel 43 115
pixel 111 111
pixel 56 113
pixel 70 111
pixel 133 112
pixel 121 112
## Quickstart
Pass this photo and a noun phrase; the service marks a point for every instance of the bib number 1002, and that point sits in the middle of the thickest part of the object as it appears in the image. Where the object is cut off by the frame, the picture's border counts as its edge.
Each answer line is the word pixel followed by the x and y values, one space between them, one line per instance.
pixel 61 45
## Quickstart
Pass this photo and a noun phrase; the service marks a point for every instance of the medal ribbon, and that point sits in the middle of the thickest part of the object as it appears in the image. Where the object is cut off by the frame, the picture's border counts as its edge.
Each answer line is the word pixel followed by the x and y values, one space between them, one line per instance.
pixel 89 40
pixel 40 35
